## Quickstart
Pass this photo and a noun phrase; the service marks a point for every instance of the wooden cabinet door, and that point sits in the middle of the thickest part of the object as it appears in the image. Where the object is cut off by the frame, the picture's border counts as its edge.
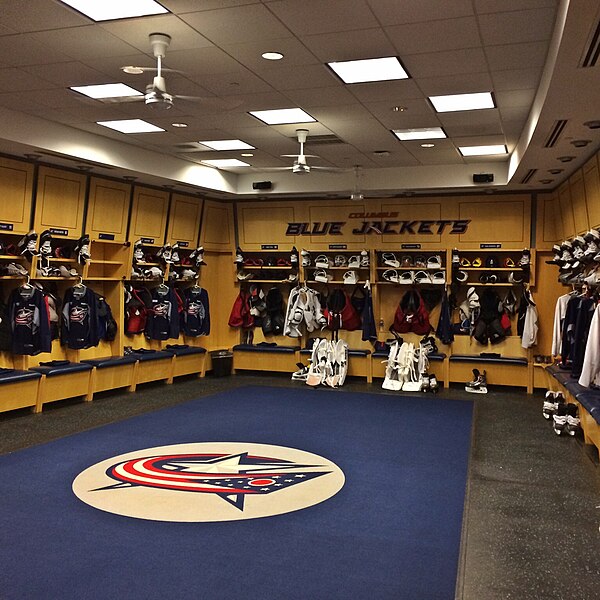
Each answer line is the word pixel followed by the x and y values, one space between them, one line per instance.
pixel 108 210
pixel 60 202
pixel 16 181
pixel 217 227
pixel 184 220
pixel 149 215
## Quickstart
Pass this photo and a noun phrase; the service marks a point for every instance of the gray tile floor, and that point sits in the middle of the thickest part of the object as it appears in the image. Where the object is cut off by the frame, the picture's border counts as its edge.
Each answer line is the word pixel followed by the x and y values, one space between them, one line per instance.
pixel 532 514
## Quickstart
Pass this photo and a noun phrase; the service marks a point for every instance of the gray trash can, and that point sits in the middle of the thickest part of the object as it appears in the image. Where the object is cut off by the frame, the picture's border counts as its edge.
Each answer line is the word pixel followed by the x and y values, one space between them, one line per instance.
pixel 222 363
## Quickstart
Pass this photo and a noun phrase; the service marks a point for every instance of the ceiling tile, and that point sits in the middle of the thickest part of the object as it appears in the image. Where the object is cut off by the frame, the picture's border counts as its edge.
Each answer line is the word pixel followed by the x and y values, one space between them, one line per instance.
pixel 315 16
pixel 38 15
pixel 517 26
pixel 452 62
pixel 25 49
pixel 236 25
pixel 298 77
pixel 323 96
pixel 66 74
pixel 509 56
pixel 461 83
pixel 393 12
pixel 394 92
pixel 184 6
pixel 435 36
pixel 518 79
pixel 203 61
pixel 135 33
pixel 512 98
pixel 366 43
pixel 17 80
pixel 496 6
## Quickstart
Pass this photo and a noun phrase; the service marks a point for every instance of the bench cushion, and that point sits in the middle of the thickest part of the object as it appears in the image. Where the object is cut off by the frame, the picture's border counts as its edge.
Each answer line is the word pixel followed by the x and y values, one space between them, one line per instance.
pixel 184 350
pixel 504 360
pixel 53 370
pixel 15 375
pixel 590 400
pixel 251 348
pixel 110 361
pixel 148 356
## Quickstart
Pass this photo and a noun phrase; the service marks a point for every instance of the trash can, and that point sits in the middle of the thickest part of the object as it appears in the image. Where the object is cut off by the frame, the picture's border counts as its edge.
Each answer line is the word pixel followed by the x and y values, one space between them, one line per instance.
pixel 222 363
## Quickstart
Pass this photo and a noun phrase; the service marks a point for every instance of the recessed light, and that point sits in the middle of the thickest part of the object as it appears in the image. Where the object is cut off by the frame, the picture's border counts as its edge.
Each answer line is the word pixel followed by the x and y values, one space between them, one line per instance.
pixel 427 145
pixel 282 116
pixel 246 154
pixel 483 150
pixel 399 108
pixel 381 153
pixel 225 162
pixel 456 102
pixel 368 70
pixel 565 158
pixel 106 90
pixel 116 9
pixel 592 124
pixel 227 145
pixel 422 133
pixel 179 125
pixel 546 181
pixel 555 171
pixel 130 126
pixel 131 70
pixel 272 55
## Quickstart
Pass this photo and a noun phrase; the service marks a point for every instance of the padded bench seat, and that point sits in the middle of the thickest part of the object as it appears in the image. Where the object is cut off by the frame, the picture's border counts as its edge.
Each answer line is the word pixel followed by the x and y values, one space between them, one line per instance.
pixel 110 361
pixel 111 373
pixel 153 366
pixel 187 360
pixel 281 359
pixel 500 370
pixel 590 400
pixel 63 380
pixel 18 389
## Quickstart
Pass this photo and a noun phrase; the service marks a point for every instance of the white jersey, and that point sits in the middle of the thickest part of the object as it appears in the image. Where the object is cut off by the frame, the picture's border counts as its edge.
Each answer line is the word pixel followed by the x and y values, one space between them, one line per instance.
pixel 590 372
pixel 530 326
pixel 559 316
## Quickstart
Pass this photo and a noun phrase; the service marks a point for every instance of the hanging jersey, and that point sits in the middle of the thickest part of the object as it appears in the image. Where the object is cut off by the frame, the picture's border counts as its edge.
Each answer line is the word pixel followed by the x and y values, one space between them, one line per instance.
pixel 195 318
pixel 80 327
pixel 29 320
pixel 163 318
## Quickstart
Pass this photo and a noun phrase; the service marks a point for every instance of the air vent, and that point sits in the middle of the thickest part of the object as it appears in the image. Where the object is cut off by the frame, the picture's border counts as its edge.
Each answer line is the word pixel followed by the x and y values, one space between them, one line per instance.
pixel 555 133
pixel 590 56
pixel 529 175
pixel 323 140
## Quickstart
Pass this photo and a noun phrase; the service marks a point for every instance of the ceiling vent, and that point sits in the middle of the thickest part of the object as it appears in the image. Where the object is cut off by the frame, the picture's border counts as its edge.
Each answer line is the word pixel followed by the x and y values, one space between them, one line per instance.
pixel 592 50
pixel 190 147
pixel 528 175
pixel 323 140
pixel 555 133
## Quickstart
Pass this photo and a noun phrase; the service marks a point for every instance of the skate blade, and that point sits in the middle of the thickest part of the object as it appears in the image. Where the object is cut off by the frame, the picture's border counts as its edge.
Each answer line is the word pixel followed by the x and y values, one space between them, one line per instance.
pixel 481 390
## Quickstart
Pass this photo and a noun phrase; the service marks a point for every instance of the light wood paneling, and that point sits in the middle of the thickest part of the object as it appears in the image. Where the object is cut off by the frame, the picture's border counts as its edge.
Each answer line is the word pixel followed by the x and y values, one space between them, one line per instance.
pixel 16 180
pixel 330 224
pixel 149 215
pixel 566 210
pixel 108 209
pixel 217 227
pixel 60 202
pixel 262 225
pixel 577 189
pixel 184 220
pixel 591 181
pixel 496 221
pixel 548 228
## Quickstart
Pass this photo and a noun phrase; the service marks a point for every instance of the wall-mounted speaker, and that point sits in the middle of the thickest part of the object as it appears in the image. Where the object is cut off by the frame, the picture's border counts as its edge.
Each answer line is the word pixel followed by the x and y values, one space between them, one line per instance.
pixel 483 177
pixel 261 185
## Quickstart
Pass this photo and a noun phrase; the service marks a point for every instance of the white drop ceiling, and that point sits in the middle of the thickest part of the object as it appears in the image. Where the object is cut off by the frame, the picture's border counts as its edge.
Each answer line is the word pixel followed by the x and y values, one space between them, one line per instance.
pixel 526 52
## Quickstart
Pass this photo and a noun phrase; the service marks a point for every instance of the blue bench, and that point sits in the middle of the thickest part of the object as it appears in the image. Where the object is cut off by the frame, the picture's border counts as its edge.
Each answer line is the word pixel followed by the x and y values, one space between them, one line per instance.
pixel 500 370
pixel 282 359
pixel 111 372
pixel 63 379
pixel 271 349
pixel 18 389
pixel 502 360
pixel 154 365
pixel 188 360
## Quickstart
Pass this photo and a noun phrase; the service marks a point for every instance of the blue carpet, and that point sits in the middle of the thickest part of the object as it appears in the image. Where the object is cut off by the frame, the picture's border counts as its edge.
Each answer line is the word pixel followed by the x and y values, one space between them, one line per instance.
pixel 392 531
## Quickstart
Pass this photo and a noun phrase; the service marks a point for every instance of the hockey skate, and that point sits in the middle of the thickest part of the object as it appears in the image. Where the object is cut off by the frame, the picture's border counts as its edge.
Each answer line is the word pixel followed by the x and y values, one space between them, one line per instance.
pixel 479 383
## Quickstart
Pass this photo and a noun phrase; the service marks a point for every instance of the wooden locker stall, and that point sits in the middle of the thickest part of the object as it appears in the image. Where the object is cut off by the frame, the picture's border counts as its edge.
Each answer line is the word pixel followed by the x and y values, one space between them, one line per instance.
pixel 184 220
pixel 566 210
pixel 578 203
pixel 591 181
pixel 108 210
pixel 16 184
pixel 60 202
pixel 149 215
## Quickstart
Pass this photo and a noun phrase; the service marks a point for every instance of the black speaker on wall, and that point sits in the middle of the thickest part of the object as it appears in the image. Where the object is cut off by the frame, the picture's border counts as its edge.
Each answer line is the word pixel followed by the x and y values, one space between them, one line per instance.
pixel 262 185
pixel 483 177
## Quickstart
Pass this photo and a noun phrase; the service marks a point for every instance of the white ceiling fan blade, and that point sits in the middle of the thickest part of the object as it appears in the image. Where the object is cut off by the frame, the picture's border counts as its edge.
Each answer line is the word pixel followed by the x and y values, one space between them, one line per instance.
pixel 331 169
pixel 299 155
pixel 122 99
pixel 269 169
pixel 209 101
pixel 135 70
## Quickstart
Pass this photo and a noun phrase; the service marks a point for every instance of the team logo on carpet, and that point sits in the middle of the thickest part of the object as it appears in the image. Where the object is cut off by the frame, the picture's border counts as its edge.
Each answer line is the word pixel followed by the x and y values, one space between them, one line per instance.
pixel 209 481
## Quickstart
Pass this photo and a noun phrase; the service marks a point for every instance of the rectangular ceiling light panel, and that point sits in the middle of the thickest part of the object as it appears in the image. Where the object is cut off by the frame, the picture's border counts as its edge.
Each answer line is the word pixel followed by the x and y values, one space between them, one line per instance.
pixel 225 162
pixel 106 10
pixel 227 145
pixel 483 150
pixel 282 116
pixel 456 102
pixel 130 126
pixel 423 133
pixel 106 90
pixel 369 70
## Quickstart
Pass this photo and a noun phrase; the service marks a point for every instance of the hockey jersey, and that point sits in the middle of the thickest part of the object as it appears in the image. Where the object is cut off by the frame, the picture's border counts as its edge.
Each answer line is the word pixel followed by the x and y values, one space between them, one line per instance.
pixel 80 327
pixel 195 317
pixel 29 321
pixel 163 317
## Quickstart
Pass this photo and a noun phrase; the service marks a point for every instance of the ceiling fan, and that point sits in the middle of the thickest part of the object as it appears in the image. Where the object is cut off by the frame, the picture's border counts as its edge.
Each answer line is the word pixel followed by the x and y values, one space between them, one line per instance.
pixel 300 165
pixel 356 195
pixel 156 95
